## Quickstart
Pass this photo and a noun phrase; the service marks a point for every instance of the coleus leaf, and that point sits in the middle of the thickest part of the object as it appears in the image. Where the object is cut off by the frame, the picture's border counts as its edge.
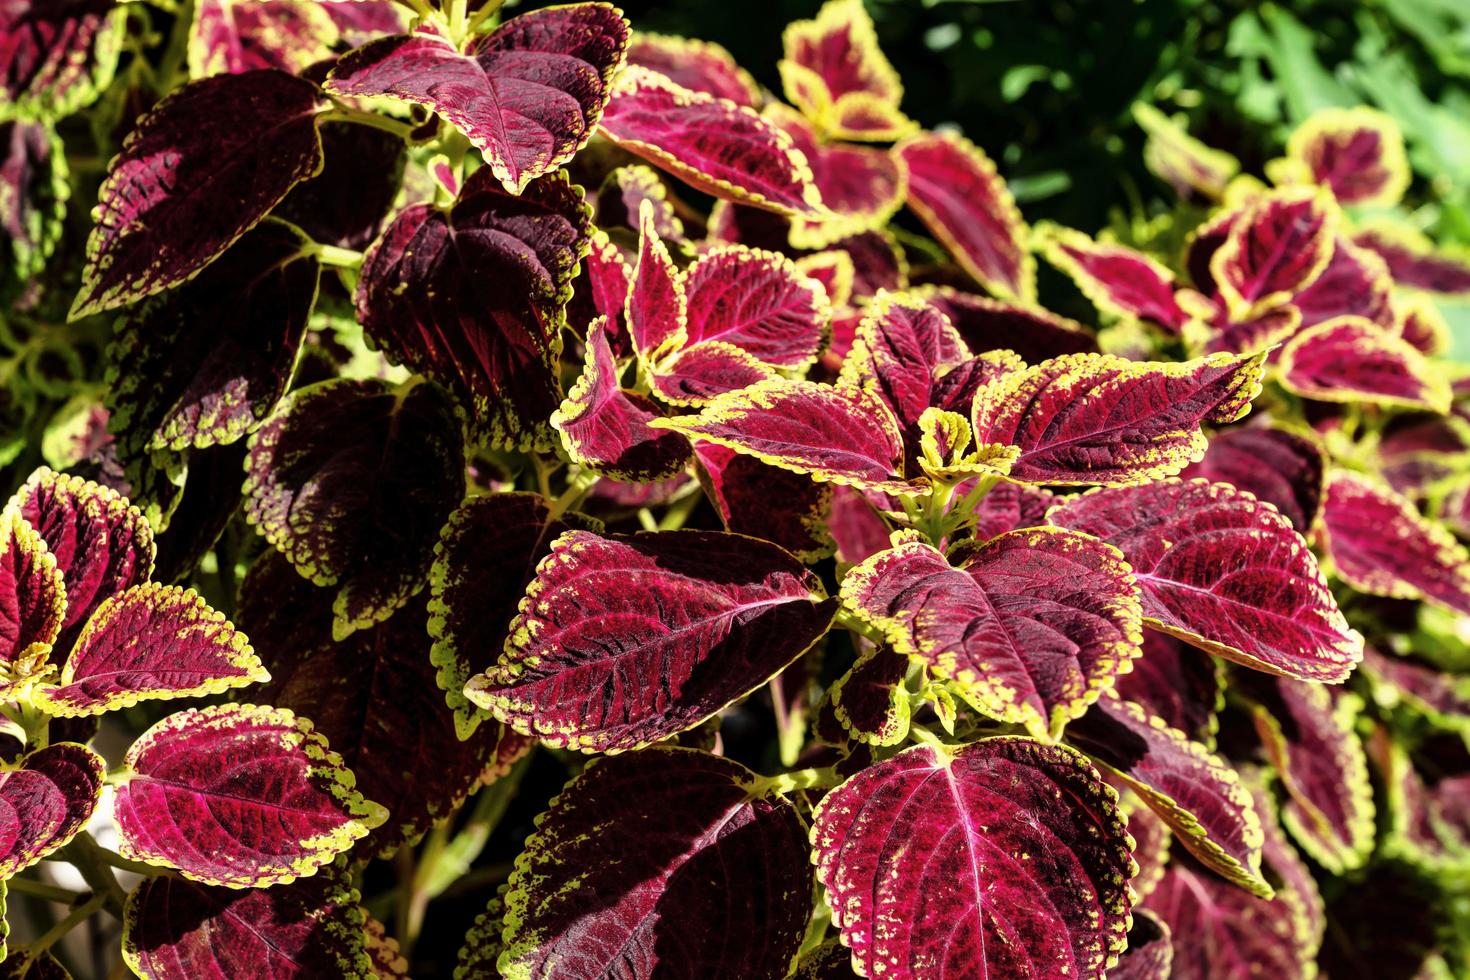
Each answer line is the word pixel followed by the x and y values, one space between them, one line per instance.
pixel 1420 322
pixel 1194 791
pixel 620 201
pixel 1358 152
pixel 1031 332
pixel 677 851
pixel 351 481
pixel 1180 160
pixel 374 698
pixel 1428 826
pixel 1151 840
pixel 101 543
pixel 175 929
pixel 1276 249
pixel 57 57
pixel 1032 628
pixel 1100 419
pixel 173 386
pixel 1217 330
pixel 1041 851
pixel 361 21
pixel 32 600
pixel 150 642
pixel 528 94
pixel 697 374
pixel 714 616
pixel 1224 573
pixel 1176 685
pixel 856 526
pixel 955 190
pixel 203 167
pixel 763 501
pixel 475 297
pixel 834 72
pixel 758 301
pixel 1233 934
pixel 1414 261
pixel 605 428
pixel 33 964
pixel 345 205
pixel 829 961
pixel 700 66
pixel 869 701
pixel 234 36
pixel 1307 731
pixel 1355 283
pixel 1350 359
pixel 721 148
pixel 1117 279
pixel 45 798
pixel 1150 952
pixel 1295 884
pixel 1010 506
pixel 601 289
pixel 1377 542
pixel 1440 696
pixel 1280 468
pixel 238 795
pixel 835 434
pixel 487 554
pixel 35 186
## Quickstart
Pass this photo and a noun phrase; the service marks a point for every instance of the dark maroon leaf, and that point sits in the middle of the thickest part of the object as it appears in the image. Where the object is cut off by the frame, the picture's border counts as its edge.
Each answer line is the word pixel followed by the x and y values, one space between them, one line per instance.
pixel 56 56
pixel 1281 468
pixel 987 324
pixel 753 498
pixel 1182 686
pixel 346 203
pixel 46 797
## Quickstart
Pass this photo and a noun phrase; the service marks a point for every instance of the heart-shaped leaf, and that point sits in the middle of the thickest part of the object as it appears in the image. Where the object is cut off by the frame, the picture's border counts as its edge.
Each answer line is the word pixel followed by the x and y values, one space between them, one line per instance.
pixel 721 148
pixel 700 66
pixel 1357 152
pixel 836 434
pixel 990 859
pixel 174 386
pixel 351 481
pixel 373 697
pixel 712 616
pixel 1222 572
pixel 956 192
pixel 763 501
pixel 175 929
pixel 835 73
pixel 1349 359
pixel 1280 468
pixel 1378 543
pixel 487 554
pixel 1194 791
pixel 151 642
pixel 528 94
pixel 1032 628
pixel 1281 243
pixel 475 298
pixel 45 798
pixel 238 795
pixel 1177 685
pixel 676 852
pixel 1119 280
pixel 57 57
pixel 199 171
pixel 32 599
pixel 1099 419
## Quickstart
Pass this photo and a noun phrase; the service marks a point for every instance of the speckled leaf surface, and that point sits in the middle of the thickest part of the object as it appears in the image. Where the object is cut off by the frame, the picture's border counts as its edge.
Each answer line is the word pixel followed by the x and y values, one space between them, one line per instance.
pixel 1223 573
pixel 767 502
pixel 46 797
pixel 997 858
pixel 700 66
pixel 238 795
pixel 1350 359
pixel 688 868
pixel 835 73
pixel 1280 468
pixel 32 599
pixel 57 56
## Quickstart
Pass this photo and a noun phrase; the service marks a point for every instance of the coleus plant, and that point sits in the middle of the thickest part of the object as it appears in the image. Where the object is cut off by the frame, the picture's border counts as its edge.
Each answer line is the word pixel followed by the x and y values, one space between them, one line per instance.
pixel 427 367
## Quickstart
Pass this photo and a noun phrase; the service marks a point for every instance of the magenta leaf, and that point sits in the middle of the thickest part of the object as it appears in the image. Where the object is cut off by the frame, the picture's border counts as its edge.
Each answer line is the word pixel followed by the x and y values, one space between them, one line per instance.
pixel 601 289
pixel 234 36
pixel 1194 791
pixel 1031 332
pixel 990 859
pixel 101 543
pixel 1177 685
pixel 1280 468
pixel 1354 283
pixel 34 189
pixel 1281 244
pixel 836 75
pixel 1100 419
pixel 956 192
pixel 528 94
pixel 373 697
pixel 757 301
pixel 1413 261
pixel 360 21
pixel 173 386
pixel 475 297
pixel 700 66
pixel 1150 952
pixel 57 57
pixel 763 501
pixel 713 616
pixel 199 171
pixel 1118 280
pixel 698 374
pixel 149 642
pixel 32 600
pixel 238 795
pixel 46 797
pixel 486 556
pixel 721 148
pixel 1357 152
pixel 620 201
pixel 1031 628
pixel 605 428
pixel 1350 359
pixel 351 481
pixel 1378 543
pixel 1009 507
pixel 1440 696
pixel 836 434
pixel 677 852
pixel 1307 731
pixel 856 525
pixel 175 929
pixel 1224 573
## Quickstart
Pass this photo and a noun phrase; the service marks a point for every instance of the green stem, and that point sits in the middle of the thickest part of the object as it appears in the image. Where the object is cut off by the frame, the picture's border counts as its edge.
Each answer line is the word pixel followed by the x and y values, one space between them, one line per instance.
pixel 850 621
pixel 789 782
pixel 579 483
pixel 333 255
pixel 115 860
pixel 40 889
pixel 342 113
pixel 490 9
pixel 678 513
pixel 419 7
pixel 78 915
pixel 455 859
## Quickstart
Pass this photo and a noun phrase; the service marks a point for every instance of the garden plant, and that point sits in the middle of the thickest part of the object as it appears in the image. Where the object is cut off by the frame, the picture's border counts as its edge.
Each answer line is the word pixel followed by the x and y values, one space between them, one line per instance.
pixel 503 493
